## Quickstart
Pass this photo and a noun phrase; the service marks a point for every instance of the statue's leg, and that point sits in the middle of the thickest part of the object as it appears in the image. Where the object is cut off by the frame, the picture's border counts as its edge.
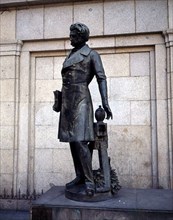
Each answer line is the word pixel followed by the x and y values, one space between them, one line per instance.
pixel 80 179
pixel 76 160
pixel 86 162
pixel 83 167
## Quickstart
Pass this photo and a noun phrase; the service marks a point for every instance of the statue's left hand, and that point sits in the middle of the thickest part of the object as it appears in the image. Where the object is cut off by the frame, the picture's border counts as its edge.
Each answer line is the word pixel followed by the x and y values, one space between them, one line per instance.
pixel 108 111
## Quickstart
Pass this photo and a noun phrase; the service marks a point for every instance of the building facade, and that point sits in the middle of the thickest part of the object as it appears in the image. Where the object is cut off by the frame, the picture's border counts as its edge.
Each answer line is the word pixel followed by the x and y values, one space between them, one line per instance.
pixel 135 41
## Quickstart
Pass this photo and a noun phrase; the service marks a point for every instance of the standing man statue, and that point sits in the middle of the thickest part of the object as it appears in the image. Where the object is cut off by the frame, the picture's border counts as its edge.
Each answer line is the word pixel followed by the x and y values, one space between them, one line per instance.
pixel 76 114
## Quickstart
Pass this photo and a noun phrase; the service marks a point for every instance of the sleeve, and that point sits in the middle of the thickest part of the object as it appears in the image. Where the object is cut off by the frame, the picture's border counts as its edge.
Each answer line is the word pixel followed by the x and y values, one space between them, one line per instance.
pixel 97 66
pixel 99 72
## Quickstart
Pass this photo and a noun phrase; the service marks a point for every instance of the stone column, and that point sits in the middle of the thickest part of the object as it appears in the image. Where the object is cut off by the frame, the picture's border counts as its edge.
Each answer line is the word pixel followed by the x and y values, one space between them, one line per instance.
pixel 169 50
pixel 9 111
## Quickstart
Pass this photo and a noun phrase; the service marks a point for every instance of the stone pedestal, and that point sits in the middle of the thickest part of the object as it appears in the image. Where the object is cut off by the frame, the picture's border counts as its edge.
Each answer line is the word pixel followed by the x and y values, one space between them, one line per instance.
pixel 130 204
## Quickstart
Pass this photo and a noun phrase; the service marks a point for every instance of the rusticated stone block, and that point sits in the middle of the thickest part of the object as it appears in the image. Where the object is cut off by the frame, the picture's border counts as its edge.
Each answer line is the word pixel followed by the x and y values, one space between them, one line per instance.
pixel 57 21
pixel 29 23
pixel 119 17
pixel 151 16
pixel 87 13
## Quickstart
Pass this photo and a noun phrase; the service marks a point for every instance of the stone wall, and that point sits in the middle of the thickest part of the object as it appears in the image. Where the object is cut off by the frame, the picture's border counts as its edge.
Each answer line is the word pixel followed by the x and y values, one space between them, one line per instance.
pixel 134 39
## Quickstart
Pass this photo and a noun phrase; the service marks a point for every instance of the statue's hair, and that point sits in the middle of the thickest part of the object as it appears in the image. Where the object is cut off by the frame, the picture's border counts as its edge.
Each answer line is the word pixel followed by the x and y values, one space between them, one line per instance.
pixel 81 29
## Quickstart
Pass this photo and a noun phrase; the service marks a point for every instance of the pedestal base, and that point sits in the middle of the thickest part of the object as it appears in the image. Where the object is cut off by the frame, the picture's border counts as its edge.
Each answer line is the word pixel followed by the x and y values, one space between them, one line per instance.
pixel 133 204
pixel 78 194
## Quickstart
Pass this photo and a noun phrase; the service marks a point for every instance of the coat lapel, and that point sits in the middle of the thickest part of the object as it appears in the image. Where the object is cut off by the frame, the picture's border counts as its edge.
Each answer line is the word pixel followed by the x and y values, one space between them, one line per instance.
pixel 76 57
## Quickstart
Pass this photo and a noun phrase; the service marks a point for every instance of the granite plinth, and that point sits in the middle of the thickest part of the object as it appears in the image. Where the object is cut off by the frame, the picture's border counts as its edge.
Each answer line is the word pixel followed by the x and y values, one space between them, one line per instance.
pixel 132 204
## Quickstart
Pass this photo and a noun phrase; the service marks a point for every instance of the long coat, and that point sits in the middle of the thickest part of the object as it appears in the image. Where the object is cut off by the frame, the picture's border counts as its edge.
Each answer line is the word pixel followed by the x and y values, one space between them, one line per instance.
pixel 76 115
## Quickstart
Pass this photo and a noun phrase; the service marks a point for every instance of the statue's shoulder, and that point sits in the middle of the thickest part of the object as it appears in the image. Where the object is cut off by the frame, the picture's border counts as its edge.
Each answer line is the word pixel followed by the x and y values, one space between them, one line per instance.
pixel 85 50
pixel 94 54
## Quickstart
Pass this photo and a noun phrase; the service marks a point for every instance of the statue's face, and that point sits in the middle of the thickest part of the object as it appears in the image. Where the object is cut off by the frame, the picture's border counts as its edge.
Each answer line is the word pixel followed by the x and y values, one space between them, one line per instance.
pixel 75 38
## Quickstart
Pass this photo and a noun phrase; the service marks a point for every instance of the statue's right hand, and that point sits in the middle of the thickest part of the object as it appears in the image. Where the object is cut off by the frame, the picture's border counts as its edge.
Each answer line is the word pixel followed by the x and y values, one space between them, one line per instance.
pixel 108 112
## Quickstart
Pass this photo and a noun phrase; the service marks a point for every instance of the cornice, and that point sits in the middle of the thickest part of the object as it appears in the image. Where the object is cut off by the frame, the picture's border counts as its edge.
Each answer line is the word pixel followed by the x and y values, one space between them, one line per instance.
pixel 19 3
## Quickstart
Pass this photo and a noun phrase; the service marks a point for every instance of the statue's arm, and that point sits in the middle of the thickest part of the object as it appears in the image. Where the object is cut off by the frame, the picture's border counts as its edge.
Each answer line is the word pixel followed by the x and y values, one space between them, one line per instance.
pixel 102 83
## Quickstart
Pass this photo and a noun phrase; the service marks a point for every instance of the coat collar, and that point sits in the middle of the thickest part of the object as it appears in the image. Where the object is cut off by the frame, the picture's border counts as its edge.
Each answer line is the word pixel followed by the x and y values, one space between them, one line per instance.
pixel 77 56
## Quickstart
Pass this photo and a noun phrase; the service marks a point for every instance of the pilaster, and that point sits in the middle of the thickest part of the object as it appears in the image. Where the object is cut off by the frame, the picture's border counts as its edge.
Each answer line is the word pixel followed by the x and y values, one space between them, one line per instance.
pixel 9 111
pixel 168 34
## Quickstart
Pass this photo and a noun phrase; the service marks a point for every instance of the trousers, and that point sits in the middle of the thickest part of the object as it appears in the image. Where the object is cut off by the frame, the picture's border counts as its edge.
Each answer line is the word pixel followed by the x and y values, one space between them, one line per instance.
pixel 82 159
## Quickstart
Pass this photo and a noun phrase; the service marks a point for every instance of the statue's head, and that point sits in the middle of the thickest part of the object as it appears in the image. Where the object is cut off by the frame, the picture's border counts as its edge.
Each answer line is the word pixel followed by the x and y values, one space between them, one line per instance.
pixel 79 33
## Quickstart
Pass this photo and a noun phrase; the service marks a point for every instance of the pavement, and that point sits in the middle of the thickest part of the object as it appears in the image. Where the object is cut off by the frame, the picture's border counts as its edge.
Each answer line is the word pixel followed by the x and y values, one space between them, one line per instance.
pixel 14 215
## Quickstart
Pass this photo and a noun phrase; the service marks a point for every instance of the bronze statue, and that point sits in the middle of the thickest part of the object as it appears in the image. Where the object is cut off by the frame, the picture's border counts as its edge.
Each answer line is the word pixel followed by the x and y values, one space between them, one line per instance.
pixel 76 114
